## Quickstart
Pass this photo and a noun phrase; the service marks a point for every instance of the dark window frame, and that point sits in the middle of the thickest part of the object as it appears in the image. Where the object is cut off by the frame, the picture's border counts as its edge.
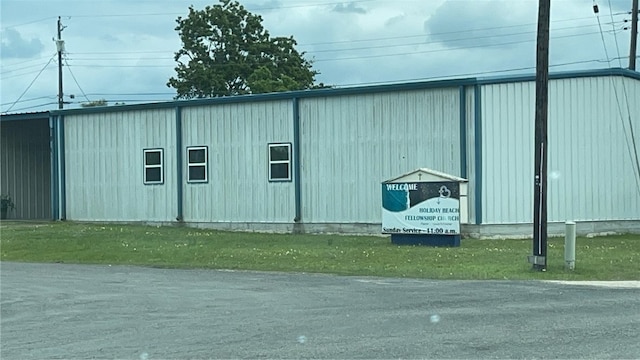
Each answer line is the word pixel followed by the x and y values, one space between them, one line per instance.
pixel 153 166
pixel 288 162
pixel 204 164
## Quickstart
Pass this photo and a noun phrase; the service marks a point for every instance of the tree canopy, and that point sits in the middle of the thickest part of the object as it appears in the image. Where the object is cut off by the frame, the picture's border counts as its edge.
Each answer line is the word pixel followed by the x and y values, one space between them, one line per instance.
pixel 227 51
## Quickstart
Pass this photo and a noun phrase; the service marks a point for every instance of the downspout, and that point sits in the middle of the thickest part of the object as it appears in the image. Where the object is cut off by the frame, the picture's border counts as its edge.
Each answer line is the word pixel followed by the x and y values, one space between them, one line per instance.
pixel 61 164
pixel 478 151
pixel 296 161
pixel 179 190
pixel 463 132
pixel 53 153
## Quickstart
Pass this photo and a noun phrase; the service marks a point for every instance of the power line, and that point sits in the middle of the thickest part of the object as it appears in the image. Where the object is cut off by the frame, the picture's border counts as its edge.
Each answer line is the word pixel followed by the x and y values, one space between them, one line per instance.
pixel 440 41
pixel 20 69
pixel 253 9
pixel 28 23
pixel 75 80
pixel 631 143
pixel 442 50
pixel 19 75
pixel 131 94
pixel 28 87
pixel 444 33
pixel 28 100
pixel 342 58
pixel 357 48
pixel 32 107
pixel 626 98
pixel 21 62
pixel 359 40
pixel 615 37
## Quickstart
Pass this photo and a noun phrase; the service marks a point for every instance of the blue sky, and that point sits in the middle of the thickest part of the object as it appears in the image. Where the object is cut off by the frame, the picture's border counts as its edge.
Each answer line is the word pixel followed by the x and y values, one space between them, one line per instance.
pixel 122 50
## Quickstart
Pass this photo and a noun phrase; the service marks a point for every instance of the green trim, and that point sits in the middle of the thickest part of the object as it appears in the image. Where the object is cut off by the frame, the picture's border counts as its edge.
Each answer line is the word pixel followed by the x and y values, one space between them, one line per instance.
pixel 58 188
pixel 296 161
pixel 179 164
pixel 463 132
pixel 62 164
pixel 53 153
pixel 279 96
pixel 478 152
pixel 562 75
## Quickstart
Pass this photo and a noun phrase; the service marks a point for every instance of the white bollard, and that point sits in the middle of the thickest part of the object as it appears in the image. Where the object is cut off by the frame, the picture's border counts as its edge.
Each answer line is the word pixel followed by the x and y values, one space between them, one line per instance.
pixel 570 245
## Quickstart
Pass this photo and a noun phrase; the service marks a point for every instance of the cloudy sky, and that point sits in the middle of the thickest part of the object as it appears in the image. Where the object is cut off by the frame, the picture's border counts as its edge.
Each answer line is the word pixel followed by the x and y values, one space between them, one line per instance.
pixel 122 50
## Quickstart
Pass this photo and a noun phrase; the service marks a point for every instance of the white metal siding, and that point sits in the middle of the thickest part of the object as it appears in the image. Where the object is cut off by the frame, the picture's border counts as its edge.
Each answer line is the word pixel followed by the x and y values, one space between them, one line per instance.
pixel 104 166
pixel 350 144
pixel 590 170
pixel 237 136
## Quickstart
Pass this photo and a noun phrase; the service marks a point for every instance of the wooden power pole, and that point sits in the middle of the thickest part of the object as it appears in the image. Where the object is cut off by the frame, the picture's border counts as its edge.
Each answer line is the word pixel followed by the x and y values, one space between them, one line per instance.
pixel 634 35
pixel 60 48
pixel 539 258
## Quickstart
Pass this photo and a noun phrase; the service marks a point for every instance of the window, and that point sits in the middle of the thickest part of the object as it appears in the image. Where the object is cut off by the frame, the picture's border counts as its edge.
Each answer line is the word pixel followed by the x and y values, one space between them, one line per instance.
pixel 197 164
pixel 279 162
pixel 153 163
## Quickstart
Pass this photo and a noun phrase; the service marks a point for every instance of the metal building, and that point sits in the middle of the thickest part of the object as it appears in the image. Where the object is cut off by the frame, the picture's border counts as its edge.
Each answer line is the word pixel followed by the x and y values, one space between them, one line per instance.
pixel 313 160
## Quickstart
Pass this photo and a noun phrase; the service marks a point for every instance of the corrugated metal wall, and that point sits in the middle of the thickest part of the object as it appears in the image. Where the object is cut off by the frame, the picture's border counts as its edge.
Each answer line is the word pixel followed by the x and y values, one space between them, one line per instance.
pixel 104 166
pixel 237 136
pixel 26 167
pixel 590 168
pixel 350 144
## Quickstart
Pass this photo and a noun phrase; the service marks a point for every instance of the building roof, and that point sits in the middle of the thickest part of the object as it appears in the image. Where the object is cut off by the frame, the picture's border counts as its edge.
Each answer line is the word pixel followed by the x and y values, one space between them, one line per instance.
pixel 300 94
pixel 25 116
pixel 429 175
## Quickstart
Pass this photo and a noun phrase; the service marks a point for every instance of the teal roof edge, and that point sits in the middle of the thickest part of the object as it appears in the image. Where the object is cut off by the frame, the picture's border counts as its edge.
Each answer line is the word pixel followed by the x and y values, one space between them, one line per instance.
pixel 356 90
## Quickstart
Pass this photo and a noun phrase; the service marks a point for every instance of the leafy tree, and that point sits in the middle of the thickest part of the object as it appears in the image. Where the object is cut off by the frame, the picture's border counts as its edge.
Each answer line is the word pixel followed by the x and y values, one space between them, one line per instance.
pixel 227 51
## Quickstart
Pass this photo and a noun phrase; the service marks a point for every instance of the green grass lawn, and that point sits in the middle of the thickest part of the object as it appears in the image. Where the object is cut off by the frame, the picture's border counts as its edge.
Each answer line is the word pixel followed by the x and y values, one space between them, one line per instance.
pixel 600 258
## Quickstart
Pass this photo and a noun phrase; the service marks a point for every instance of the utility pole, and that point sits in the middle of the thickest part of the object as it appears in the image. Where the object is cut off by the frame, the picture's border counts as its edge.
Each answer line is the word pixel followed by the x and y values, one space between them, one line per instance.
pixel 634 35
pixel 60 48
pixel 539 257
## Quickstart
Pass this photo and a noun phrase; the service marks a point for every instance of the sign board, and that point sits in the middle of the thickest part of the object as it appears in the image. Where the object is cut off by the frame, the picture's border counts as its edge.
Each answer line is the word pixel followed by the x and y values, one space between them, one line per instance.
pixel 421 208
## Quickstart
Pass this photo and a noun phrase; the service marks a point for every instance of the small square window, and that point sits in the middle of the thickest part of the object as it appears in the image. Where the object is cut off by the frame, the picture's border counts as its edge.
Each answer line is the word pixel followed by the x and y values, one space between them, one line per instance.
pixel 280 162
pixel 153 166
pixel 197 164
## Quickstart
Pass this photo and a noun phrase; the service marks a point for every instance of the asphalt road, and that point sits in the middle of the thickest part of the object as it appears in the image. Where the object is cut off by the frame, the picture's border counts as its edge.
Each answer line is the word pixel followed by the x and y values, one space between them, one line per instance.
pixel 58 311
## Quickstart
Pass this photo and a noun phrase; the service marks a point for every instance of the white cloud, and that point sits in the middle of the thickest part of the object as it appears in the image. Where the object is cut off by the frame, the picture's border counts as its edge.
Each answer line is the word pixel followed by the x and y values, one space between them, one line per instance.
pixel 123 47
pixel 15 46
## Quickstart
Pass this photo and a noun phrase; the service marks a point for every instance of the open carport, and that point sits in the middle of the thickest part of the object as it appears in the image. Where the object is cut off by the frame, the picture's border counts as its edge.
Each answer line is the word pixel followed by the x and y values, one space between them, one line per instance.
pixel 25 164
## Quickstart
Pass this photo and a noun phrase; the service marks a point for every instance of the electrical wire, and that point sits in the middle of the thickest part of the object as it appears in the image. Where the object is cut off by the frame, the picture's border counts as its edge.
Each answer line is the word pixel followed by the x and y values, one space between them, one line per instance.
pixel 614 35
pixel 336 58
pixel 445 33
pixel 28 23
pixel 626 97
pixel 32 99
pixel 442 50
pixel 22 62
pixel 31 107
pixel 20 69
pixel 630 139
pixel 28 87
pixel 336 42
pixel 19 75
pixel 76 80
